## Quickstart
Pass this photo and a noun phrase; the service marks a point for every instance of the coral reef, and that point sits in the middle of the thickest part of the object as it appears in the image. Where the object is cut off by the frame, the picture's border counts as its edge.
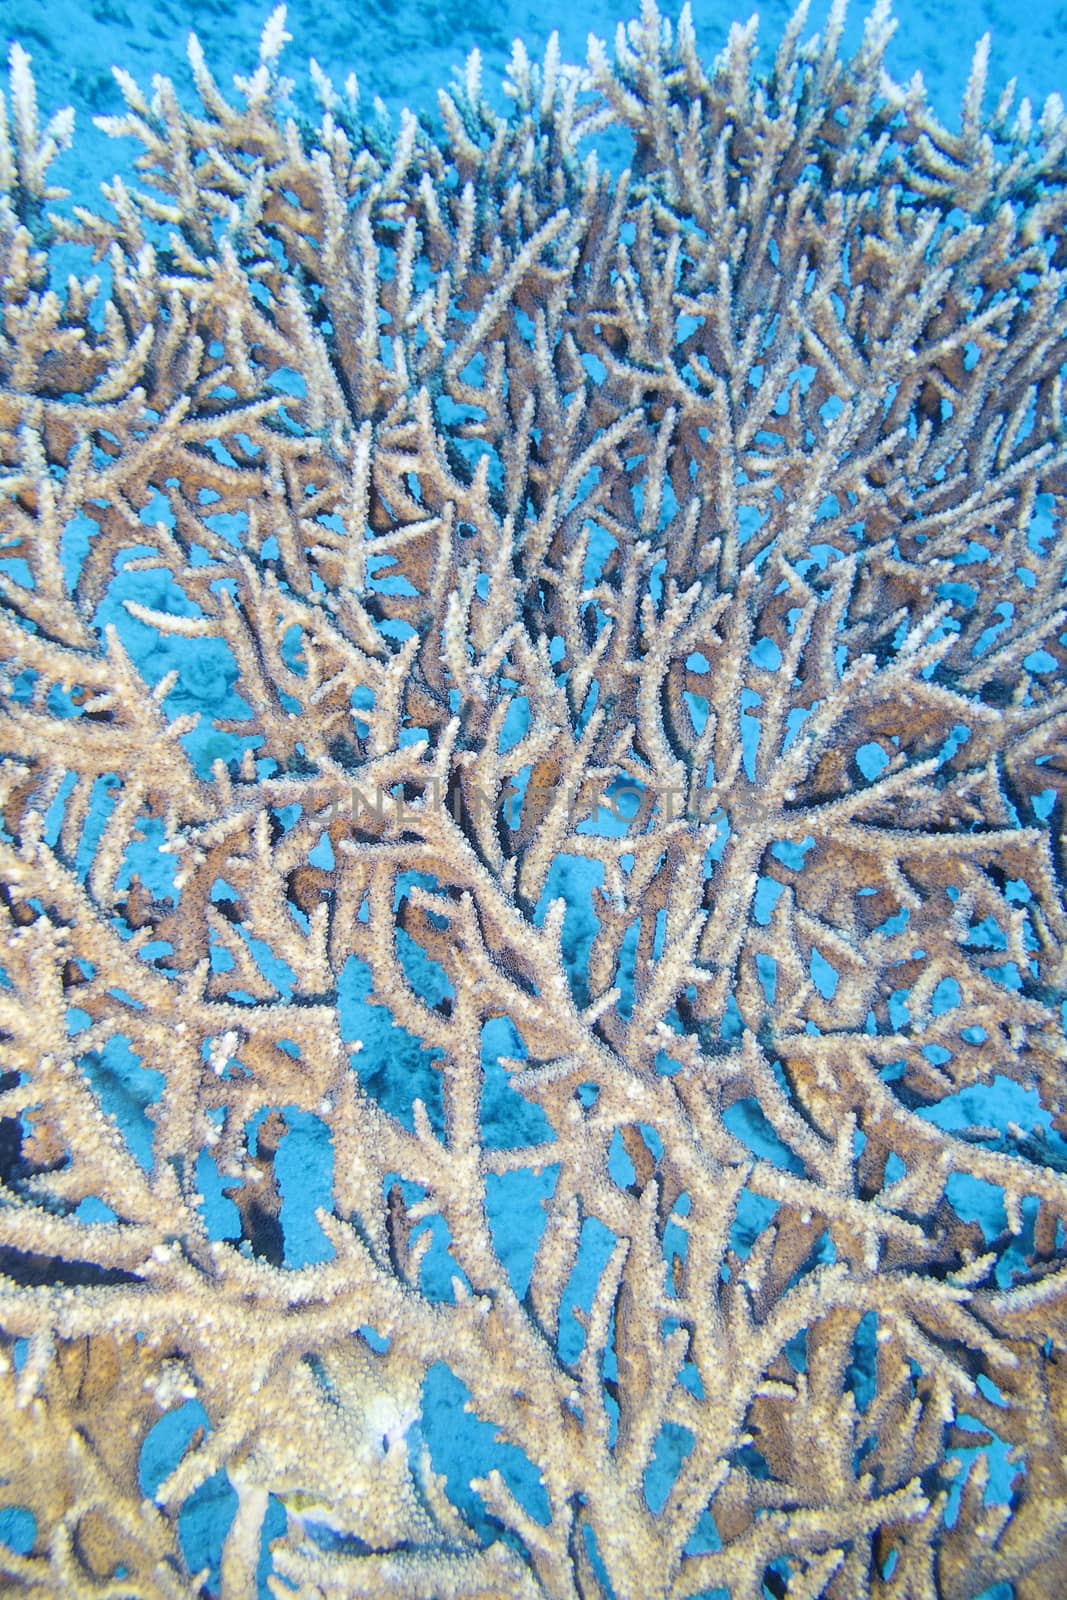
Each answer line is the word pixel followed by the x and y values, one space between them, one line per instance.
pixel 637 602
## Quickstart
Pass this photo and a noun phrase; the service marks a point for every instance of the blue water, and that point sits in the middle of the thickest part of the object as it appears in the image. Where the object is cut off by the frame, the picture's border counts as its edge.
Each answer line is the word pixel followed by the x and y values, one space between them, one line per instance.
pixel 404 52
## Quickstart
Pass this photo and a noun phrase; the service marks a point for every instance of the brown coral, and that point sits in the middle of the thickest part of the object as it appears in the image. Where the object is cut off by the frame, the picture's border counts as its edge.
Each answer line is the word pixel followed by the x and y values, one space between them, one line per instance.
pixel 696 532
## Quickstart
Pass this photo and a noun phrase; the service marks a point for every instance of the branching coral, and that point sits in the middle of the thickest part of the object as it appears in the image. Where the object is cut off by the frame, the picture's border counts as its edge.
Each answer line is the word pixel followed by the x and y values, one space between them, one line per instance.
pixel 692 538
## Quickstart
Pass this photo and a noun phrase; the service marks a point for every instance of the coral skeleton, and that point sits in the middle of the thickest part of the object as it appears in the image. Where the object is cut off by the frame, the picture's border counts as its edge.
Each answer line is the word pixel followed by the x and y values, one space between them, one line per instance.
pixel 540 687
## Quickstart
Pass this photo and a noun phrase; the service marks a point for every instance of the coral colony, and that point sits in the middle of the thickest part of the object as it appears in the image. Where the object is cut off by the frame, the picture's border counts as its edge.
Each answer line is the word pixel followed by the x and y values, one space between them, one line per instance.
pixel 598 974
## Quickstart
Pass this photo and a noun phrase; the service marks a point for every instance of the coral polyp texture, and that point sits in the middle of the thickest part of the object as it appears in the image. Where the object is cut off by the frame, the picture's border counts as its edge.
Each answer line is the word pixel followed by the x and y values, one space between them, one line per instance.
pixel 532 857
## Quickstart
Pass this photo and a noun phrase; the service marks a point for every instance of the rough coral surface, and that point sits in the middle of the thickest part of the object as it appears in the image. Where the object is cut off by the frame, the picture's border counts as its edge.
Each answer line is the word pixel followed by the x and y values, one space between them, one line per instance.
pixel 394 534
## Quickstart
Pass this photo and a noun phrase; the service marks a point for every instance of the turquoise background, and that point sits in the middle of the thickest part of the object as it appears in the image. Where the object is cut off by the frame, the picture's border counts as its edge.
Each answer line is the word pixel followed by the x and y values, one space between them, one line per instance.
pixel 404 52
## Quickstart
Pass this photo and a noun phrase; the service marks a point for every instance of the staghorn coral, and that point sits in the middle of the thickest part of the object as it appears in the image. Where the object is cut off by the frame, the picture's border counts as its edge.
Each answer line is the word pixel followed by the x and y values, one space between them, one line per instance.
pixel 691 539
